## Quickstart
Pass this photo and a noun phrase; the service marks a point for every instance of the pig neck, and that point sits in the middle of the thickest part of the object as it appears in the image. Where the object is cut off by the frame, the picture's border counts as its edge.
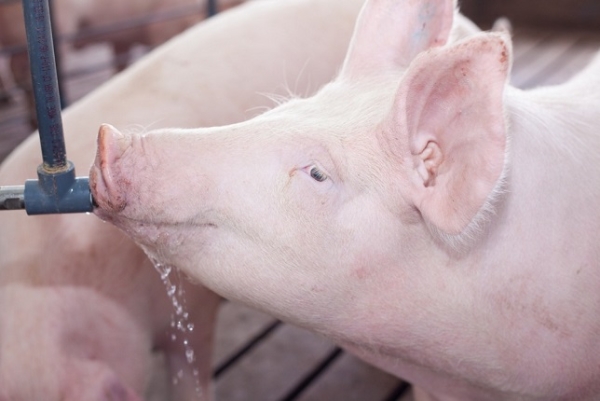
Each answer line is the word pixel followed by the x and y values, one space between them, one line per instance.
pixel 516 293
pixel 552 147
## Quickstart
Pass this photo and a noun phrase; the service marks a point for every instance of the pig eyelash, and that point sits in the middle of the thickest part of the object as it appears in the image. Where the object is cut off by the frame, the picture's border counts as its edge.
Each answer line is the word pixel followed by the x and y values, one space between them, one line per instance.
pixel 317 174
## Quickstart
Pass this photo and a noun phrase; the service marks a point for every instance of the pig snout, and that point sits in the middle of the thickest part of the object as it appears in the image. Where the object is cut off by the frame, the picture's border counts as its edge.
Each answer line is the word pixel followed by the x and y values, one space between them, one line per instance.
pixel 109 190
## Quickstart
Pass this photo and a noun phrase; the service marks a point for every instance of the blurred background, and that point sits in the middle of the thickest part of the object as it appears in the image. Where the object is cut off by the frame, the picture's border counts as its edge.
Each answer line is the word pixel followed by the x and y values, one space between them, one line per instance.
pixel 549 14
pixel 94 40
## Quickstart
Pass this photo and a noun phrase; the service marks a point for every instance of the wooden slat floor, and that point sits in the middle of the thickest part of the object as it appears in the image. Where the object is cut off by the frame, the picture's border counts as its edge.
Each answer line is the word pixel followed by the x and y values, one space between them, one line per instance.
pixel 260 359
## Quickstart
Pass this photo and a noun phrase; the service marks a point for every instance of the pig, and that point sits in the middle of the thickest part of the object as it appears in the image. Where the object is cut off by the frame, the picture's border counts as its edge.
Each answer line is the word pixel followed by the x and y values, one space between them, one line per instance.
pixel 417 210
pixel 74 16
pixel 83 314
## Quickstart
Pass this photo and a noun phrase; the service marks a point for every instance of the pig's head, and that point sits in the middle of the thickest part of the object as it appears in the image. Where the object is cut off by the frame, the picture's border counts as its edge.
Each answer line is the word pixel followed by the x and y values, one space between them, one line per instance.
pixel 323 209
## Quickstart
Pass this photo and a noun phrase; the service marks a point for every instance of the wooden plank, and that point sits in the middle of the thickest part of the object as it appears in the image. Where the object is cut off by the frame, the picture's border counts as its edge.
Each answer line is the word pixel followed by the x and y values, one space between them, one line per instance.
pixel 272 370
pixel 236 326
pixel 350 379
pixel 347 377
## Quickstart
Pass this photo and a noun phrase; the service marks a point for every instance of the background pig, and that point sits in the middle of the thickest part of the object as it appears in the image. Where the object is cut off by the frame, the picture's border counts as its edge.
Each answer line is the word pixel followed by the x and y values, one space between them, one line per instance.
pixel 423 214
pixel 83 314
pixel 75 16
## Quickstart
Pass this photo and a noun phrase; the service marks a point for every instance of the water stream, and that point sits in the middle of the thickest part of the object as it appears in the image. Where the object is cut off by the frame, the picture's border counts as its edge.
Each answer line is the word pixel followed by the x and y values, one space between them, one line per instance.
pixel 181 326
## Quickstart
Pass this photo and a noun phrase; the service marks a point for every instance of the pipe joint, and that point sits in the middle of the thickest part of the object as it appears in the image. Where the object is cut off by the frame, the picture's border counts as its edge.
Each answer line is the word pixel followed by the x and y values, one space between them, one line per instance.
pixel 59 192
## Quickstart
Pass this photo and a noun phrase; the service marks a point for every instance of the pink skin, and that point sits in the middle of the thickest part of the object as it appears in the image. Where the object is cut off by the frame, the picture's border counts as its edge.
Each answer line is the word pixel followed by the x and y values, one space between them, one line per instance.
pixel 76 321
pixel 83 313
pixel 416 212
pixel 82 361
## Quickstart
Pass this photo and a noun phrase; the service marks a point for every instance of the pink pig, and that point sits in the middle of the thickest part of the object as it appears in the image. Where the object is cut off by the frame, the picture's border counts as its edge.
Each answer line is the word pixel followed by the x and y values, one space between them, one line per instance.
pixel 83 314
pixel 423 214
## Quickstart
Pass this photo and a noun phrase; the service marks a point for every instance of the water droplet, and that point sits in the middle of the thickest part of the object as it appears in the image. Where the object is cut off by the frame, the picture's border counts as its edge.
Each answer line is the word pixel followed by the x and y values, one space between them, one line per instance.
pixel 165 272
pixel 180 317
pixel 189 355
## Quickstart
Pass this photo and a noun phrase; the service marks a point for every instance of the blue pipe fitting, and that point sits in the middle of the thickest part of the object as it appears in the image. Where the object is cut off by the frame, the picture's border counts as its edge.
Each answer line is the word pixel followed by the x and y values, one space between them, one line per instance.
pixel 58 193
pixel 211 8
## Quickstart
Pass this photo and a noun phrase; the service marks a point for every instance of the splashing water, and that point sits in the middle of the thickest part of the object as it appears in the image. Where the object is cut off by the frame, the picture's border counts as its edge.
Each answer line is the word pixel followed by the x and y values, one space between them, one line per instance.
pixel 179 320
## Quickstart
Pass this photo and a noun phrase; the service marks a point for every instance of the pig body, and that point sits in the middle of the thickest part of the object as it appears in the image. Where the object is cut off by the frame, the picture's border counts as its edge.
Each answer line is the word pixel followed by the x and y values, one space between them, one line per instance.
pixel 84 315
pixel 417 210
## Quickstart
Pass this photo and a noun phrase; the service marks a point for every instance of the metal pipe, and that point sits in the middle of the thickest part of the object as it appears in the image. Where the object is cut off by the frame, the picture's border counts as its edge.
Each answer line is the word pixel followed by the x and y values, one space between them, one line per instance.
pixel 57 189
pixel 211 8
pixel 57 57
pixel 12 197
pixel 45 84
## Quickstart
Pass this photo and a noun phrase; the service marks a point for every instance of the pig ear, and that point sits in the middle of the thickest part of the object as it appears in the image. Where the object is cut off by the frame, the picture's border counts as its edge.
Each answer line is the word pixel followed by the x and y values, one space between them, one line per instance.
pixel 390 33
pixel 450 104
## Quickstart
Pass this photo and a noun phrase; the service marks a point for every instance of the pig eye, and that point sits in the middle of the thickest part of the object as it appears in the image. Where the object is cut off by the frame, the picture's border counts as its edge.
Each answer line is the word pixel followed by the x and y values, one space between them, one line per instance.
pixel 317 174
